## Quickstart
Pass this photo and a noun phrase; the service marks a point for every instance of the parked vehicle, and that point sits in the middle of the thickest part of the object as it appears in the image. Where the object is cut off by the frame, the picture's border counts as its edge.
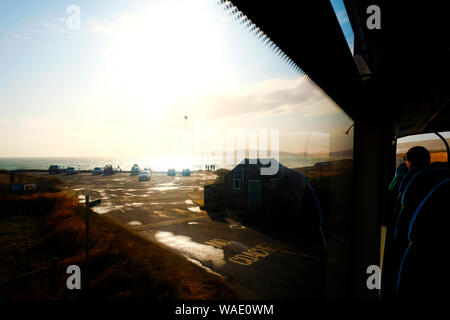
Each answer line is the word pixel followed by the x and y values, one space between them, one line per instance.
pixel 108 170
pixel 97 170
pixel 171 173
pixel 145 175
pixel 72 170
pixel 54 169
pixel 186 172
pixel 135 170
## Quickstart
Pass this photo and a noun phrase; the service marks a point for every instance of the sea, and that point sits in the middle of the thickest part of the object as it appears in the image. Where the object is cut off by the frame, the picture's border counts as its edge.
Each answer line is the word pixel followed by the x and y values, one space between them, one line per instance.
pixel 156 164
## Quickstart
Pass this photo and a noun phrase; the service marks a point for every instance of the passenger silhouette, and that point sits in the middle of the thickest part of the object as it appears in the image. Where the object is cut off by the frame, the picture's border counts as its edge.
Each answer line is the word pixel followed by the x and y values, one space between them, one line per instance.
pixel 416 158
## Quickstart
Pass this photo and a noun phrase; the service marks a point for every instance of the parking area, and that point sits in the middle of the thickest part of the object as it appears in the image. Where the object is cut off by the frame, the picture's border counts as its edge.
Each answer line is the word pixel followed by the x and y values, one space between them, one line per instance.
pixel 166 210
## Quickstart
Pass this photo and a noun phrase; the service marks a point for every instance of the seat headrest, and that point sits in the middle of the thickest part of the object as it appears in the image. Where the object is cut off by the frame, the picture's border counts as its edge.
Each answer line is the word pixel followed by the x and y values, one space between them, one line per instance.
pixel 430 208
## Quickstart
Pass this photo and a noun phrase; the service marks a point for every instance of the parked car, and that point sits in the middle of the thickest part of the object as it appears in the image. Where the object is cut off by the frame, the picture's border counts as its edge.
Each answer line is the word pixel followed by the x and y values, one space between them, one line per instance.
pixel 97 170
pixel 108 170
pixel 171 173
pixel 54 169
pixel 72 170
pixel 145 175
pixel 135 170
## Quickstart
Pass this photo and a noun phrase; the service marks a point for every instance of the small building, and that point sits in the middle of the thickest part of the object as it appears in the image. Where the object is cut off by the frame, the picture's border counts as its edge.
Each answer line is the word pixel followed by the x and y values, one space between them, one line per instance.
pixel 287 193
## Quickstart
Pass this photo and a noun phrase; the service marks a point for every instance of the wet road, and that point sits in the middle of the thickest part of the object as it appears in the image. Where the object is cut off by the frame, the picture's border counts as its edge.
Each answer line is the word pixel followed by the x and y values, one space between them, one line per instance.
pixel 166 210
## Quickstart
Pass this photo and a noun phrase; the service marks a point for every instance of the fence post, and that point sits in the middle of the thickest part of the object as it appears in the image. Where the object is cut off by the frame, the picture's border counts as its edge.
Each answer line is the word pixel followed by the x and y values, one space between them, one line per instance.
pixel 55 265
pixel 86 274
pixel 12 177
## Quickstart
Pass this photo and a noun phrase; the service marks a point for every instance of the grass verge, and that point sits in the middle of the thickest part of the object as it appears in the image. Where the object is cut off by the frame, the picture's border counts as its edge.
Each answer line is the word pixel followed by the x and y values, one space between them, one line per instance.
pixel 36 227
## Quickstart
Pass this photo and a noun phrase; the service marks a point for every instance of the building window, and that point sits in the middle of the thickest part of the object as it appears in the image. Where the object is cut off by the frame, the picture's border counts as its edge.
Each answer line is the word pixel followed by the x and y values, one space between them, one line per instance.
pixel 236 184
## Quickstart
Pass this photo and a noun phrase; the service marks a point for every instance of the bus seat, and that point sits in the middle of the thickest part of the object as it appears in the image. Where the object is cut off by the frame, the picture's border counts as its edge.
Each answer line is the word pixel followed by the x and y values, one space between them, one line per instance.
pixel 422 272
pixel 416 189
pixel 418 185
pixel 438 164
pixel 402 186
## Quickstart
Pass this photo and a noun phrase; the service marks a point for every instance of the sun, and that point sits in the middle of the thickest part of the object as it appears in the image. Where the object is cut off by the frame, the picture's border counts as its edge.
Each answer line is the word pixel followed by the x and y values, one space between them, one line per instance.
pixel 158 56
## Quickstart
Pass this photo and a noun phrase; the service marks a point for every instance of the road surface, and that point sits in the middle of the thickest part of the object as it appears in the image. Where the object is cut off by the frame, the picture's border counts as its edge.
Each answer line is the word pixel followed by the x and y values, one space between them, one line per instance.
pixel 166 210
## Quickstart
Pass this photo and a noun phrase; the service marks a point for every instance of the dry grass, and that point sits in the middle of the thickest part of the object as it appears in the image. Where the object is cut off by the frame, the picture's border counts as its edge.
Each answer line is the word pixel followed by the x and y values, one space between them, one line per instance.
pixel 122 265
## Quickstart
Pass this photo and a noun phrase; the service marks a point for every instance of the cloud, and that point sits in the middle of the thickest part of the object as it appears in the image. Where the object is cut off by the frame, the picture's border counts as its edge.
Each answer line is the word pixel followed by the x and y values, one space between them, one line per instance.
pixel 276 96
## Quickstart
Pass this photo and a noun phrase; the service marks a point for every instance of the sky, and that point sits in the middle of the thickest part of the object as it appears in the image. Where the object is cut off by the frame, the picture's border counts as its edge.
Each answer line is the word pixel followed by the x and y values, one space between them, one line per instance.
pixel 141 78
pixel 344 22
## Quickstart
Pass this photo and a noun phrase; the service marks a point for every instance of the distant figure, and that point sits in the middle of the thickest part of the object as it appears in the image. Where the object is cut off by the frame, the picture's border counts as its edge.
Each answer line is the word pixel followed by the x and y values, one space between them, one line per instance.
pixel 185 117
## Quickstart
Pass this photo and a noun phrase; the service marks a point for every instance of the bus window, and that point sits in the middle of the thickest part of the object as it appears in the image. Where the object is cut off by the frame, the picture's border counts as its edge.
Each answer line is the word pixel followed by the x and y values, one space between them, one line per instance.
pixel 430 141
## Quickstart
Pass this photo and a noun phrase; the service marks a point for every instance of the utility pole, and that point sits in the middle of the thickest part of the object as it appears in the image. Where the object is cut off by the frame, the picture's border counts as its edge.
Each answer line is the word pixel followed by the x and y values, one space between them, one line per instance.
pixel 86 277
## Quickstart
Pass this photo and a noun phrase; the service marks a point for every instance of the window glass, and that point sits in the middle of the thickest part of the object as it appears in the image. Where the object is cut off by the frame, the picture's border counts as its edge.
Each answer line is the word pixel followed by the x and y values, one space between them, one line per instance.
pixel 430 141
pixel 251 161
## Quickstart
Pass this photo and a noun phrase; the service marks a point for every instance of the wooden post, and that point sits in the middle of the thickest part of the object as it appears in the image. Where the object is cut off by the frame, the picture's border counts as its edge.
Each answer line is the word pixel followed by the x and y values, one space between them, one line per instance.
pixel 55 265
pixel 86 284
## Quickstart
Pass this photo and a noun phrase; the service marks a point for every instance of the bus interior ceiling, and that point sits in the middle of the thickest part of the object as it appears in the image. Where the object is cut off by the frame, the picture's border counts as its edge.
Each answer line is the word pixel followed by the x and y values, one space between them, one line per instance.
pixel 405 91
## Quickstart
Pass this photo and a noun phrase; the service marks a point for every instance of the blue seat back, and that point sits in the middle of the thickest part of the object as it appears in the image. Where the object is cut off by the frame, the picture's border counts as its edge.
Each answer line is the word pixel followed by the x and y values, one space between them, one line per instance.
pixel 422 271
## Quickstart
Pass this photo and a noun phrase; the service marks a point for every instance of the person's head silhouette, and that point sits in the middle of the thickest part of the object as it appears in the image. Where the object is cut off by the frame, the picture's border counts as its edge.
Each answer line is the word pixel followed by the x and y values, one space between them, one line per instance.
pixel 418 157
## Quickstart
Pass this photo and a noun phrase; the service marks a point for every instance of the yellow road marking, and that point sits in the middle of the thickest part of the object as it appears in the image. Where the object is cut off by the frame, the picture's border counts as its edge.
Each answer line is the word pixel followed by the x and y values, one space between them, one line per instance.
pixel 218 243
pixel 254 254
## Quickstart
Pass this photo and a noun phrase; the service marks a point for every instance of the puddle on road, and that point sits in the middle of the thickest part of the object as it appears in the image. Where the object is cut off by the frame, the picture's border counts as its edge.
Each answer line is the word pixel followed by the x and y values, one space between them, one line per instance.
pixel 236 226
pixel 78 189
pixel 163 188
pixel 135 204
pixel 167 184
pixel 105 209
pixel 160 213
pixel 165 203
pixel 198 263
pixel 194 250
pixel 195 209
pixel 192 222
pixel 135 223
pixel 189 201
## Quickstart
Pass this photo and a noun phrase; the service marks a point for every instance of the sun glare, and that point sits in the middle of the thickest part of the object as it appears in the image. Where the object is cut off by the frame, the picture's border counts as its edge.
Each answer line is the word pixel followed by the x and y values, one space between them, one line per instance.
pixel 162 54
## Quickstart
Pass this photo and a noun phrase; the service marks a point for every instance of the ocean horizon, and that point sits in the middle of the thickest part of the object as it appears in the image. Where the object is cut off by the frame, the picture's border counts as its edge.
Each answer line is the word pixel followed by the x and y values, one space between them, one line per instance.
pixel 154 163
